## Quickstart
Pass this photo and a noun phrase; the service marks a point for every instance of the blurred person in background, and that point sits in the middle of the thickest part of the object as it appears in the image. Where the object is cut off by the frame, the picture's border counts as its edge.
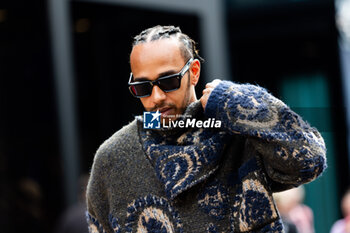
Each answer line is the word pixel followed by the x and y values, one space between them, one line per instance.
pixel 343 225
pixel 218 178
pixel 291 207
pixel 28 214
pixel 73 220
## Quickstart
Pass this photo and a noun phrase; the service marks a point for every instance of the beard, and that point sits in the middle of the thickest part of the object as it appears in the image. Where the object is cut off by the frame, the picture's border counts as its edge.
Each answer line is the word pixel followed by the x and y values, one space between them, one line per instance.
pixel 175 110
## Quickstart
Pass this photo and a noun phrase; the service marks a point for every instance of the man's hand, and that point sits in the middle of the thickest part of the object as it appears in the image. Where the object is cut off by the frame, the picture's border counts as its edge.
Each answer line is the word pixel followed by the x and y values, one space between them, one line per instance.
pixel 209 87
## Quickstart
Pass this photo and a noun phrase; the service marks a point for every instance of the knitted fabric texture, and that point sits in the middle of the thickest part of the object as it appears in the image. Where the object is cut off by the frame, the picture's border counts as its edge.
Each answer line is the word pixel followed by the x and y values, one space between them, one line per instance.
pixel 202 179
pixel 181 161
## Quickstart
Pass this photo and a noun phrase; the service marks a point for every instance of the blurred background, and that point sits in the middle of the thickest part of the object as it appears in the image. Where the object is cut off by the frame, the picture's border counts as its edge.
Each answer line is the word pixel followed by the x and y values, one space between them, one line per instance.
pixel 64 67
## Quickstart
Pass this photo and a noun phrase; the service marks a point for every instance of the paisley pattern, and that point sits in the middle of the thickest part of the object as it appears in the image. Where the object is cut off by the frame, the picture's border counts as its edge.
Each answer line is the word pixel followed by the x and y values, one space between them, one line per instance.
pixel 154 220
pixel 115 224
pixel 254 206
pixel 214 200
pixel 152 214
pixel 186 159
pixel 251 111
pixel 280 151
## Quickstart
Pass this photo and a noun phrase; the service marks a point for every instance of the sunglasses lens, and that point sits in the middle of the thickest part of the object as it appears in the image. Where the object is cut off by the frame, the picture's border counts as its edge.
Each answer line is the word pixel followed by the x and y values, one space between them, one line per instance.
pixel 144 89
pixel 169 84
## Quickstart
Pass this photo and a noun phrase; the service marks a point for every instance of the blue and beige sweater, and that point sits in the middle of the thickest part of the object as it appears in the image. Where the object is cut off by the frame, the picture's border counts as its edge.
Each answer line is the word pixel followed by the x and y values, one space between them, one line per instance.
pixel 205 179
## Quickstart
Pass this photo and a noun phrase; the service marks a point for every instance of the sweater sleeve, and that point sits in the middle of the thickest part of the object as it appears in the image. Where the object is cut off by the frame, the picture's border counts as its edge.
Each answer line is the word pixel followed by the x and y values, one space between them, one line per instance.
pixel 292 151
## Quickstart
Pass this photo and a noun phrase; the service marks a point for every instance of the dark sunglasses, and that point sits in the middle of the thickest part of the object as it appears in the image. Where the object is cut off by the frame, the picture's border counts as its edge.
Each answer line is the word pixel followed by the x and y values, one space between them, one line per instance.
pixel 166 83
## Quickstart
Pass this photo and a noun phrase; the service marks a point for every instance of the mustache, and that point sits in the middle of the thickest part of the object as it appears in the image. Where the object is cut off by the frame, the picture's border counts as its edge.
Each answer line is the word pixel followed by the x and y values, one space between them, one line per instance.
pixel 160 106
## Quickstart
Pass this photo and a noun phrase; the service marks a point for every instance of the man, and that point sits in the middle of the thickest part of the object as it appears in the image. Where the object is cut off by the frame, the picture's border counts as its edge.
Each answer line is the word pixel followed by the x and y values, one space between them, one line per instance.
pixel 198 179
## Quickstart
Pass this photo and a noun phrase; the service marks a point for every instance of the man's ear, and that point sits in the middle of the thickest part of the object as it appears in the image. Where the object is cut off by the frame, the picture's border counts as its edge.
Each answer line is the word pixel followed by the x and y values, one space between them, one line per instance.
pixel 195 71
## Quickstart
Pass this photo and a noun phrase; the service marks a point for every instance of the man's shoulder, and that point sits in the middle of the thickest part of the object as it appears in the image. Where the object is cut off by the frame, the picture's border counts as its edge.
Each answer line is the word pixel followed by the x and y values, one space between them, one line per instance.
pixel 121 141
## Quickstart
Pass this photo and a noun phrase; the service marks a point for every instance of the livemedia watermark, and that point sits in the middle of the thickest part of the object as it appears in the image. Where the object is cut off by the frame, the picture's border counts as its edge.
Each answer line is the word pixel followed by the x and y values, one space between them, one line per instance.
pixel 152 120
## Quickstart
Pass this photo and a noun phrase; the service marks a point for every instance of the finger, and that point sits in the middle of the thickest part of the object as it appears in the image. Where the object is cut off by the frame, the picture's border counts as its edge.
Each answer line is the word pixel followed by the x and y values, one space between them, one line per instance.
pixel 207 90
pixel 213 83
pixel 209 85
pixel 204 100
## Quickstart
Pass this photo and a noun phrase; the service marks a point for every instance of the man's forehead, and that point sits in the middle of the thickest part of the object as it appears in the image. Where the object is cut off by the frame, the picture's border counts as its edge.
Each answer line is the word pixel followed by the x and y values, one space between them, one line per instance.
pixel 162 47
pixel 154 54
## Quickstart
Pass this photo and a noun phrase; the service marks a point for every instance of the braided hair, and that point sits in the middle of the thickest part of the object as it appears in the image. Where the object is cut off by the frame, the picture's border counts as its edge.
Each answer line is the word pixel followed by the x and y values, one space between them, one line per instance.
pixel 188 46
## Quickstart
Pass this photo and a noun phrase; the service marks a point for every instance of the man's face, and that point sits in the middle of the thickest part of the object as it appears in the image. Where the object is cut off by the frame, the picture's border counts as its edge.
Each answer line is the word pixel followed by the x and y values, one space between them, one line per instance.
pixel 152 60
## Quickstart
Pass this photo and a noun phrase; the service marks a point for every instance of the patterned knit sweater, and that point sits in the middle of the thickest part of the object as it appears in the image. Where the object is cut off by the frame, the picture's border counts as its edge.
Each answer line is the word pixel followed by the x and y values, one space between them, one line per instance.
pixel 205 179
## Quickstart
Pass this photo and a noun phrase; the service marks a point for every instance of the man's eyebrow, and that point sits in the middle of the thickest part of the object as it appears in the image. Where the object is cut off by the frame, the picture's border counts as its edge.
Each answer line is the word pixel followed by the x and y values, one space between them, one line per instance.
pixel 165 73
pixel 140 79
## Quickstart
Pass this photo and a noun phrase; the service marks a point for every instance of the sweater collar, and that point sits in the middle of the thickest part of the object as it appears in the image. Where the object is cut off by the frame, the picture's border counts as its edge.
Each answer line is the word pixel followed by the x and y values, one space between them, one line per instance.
pixel 183 157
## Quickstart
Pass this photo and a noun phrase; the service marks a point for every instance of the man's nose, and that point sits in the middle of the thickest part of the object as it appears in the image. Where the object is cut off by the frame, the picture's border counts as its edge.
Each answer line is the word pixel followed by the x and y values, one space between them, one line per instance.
pixel 158 95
